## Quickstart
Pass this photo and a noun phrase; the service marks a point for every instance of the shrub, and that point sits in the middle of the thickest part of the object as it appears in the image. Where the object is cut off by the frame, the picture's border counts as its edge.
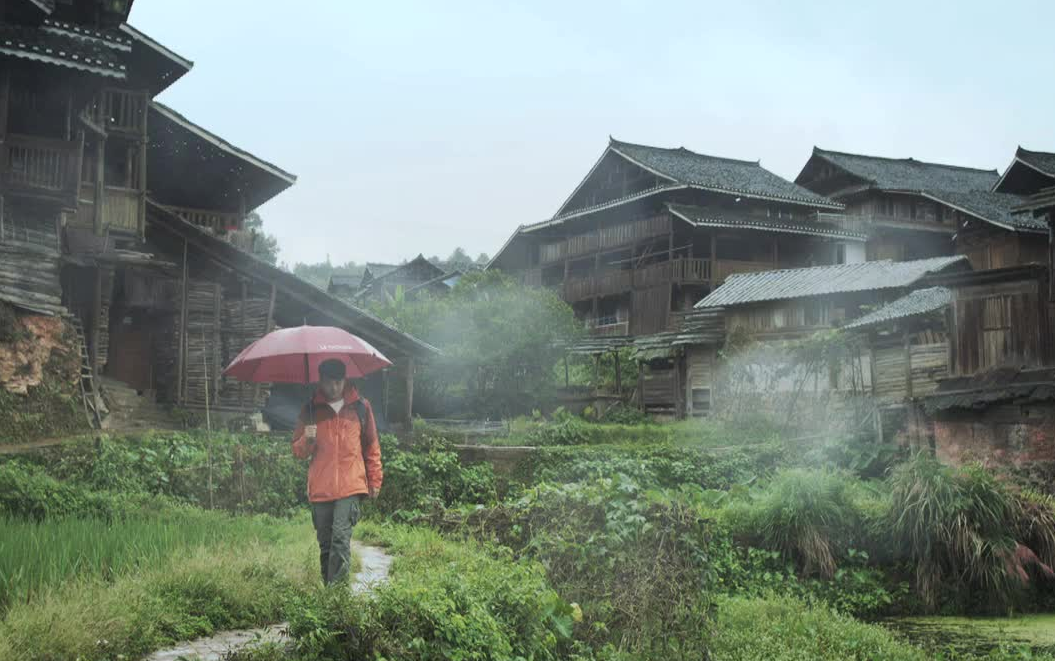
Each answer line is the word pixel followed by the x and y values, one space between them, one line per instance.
pixel 635 558
pixel 787 629
pixel 810 516
pixel 444 600
pixel 963 528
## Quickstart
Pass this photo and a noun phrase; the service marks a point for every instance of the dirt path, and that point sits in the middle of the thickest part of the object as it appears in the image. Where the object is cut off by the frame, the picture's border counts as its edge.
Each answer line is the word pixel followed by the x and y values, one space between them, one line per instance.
pixel 373 570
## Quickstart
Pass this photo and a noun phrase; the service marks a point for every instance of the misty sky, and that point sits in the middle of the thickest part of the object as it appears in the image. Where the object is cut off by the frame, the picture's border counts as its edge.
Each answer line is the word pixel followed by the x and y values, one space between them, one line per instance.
pixel 422 126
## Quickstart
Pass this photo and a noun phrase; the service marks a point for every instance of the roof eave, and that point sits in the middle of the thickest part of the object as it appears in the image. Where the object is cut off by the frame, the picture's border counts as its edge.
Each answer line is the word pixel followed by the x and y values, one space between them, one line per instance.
pixel 223 145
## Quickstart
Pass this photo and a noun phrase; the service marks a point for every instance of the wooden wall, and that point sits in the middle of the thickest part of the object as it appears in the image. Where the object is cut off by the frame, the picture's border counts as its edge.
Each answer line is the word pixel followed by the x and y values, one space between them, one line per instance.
pixel 1004 324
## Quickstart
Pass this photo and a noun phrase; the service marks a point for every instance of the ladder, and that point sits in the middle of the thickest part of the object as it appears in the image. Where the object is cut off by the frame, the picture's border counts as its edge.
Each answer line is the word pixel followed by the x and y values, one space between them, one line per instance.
pixel 89 393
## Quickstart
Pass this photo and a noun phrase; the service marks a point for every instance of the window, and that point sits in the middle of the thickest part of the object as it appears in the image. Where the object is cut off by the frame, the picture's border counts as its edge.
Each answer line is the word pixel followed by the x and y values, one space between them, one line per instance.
pixel 840 253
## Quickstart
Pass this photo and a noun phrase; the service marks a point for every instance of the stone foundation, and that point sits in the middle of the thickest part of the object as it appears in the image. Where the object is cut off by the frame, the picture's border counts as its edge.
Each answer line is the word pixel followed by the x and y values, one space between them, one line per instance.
pixel 1004 435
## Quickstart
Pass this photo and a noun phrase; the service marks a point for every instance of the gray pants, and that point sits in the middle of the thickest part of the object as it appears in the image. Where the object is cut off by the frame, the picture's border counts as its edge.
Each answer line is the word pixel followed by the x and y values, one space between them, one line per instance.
pixel 333 522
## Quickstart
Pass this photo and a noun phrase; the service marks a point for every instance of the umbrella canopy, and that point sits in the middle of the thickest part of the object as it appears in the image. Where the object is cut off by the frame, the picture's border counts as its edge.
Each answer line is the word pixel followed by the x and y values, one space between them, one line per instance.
pixel 293 355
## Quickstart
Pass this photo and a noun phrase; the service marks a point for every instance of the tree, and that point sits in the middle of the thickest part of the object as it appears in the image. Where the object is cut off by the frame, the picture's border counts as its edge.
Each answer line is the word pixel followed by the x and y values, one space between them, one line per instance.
pixel 500 341
pixel 482 259
pixel 262 244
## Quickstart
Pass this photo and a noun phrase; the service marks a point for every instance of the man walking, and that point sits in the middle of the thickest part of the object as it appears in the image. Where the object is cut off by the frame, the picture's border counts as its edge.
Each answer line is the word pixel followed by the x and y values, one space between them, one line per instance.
pixel 338 432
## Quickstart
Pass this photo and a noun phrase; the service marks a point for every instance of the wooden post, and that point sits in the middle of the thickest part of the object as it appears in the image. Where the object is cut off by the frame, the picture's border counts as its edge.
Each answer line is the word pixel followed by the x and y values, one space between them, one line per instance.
pixel 410 394
pixel 908 365
pixel 142 184
pixel 271 326
pixel 641 386
pixel 97 306
pixel 618 375
pixel 596 372
pixel 182 329
pixel 241 345
pixel 100 185
pixel 5 94
pixel 714 256
pixel 216 337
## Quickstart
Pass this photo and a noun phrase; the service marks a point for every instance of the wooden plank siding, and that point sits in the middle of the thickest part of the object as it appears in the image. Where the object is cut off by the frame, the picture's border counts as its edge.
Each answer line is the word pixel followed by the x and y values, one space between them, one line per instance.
pixel 605 238
pixel 1000 325
pixel 651 308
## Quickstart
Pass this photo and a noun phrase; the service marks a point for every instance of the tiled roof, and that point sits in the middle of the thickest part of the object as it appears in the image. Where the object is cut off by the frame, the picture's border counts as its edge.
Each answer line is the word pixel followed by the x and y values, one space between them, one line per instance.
pixel 56 46
pixel 701 217
pixel 744 288
pixel 915 303
pixel 992 207
pixel 722 174
pixel 1041 160
pixel 344 280
pixel 908 174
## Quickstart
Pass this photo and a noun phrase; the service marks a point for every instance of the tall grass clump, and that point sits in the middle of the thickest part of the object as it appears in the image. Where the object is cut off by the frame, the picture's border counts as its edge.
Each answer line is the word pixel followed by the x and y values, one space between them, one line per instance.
pixel 963 528
pixel 811 516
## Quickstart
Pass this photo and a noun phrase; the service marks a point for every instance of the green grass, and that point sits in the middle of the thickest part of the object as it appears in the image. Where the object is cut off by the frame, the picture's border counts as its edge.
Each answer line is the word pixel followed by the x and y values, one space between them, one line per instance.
pixel 786 629
pixel 35 556
pixel 229 579
pixel 445 600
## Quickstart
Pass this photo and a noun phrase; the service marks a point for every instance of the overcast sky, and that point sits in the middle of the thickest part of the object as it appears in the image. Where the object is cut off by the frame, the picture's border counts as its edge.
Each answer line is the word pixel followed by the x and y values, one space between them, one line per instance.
pixel 422 126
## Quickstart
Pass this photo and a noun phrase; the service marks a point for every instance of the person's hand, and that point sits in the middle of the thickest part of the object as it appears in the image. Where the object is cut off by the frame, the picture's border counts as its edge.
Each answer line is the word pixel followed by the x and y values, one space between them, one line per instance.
pixel 310 431
pixel 373 492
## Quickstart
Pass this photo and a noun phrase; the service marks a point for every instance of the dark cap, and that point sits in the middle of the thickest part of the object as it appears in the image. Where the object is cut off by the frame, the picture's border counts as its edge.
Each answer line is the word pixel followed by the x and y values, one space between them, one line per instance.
pixel 331 369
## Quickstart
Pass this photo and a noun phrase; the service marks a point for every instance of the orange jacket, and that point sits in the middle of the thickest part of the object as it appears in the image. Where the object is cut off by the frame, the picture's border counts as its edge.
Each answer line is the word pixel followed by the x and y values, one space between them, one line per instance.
pixel 338 468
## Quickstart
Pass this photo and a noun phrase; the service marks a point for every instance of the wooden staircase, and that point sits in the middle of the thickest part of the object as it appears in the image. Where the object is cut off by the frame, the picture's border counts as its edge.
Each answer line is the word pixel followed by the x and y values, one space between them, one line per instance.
pixel 89 393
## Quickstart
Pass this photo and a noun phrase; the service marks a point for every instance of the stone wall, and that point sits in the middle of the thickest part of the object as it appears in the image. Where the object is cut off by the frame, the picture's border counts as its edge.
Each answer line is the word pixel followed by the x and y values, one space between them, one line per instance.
pixel 1008 435
pixel 33 347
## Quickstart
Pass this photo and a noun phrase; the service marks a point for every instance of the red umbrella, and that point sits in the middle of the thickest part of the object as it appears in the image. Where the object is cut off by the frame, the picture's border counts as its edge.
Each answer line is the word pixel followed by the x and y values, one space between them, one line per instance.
pixel 292 355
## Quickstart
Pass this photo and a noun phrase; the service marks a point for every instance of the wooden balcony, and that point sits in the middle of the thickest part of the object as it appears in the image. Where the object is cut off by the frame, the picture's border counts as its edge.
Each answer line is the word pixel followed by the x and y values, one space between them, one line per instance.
pixel 605 238
pixel 40 166
pixel 531 278
pixel 217 221
pixel 122 210
pixel 678 271
pixel 723 268
pixel 119 111
pixel 608 330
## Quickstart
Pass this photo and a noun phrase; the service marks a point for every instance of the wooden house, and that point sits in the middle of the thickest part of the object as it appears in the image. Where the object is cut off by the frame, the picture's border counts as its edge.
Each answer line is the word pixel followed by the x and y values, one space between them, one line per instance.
pixel 763 311
pixel 650 231
pixel 911 209
pixel 967 361
pixel 381 282
pixel 125 217
pixel 1031 176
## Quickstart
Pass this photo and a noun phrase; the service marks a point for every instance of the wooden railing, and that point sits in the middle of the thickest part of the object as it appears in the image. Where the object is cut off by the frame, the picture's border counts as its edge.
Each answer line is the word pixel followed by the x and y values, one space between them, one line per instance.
pixel 606 238
pixel 531 277
pixel 120 110
pixel 606 330
pixel 678 271
pixel 121 209
pixel 723 268
pixel 217 221
pixel 43 165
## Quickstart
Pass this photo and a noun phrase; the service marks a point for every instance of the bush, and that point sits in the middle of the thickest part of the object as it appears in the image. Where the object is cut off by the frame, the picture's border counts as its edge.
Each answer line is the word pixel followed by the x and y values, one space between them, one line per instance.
pixel 963 529
pixel 444 600
pixel 810 516
pixel 787 629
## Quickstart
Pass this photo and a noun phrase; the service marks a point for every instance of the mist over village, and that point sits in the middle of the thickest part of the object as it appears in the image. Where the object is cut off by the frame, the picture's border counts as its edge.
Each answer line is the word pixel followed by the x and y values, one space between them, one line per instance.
pixel 526 331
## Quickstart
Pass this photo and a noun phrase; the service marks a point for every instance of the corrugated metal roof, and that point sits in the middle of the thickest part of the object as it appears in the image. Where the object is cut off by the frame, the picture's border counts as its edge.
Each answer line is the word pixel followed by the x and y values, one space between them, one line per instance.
pixel 915 303
pixel 725 174
pixel 744 288
pixel 700 217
